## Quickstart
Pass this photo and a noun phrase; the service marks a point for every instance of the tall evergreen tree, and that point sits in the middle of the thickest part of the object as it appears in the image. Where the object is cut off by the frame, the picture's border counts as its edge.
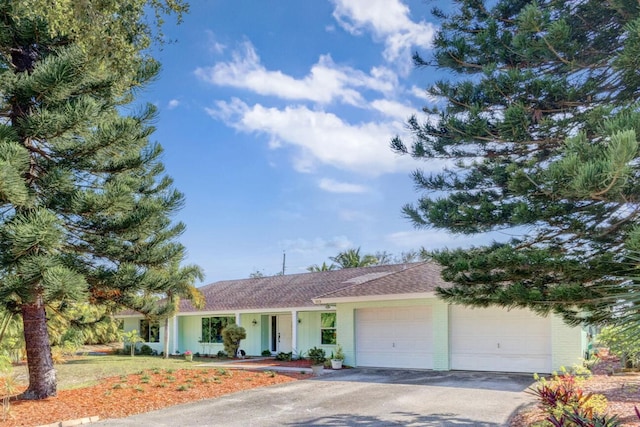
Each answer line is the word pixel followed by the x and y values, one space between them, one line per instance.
pixel 84 203
pixel 539 119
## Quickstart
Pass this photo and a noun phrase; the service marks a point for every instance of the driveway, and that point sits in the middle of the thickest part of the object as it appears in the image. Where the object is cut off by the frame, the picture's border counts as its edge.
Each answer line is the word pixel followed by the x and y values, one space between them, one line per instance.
pixel 362 397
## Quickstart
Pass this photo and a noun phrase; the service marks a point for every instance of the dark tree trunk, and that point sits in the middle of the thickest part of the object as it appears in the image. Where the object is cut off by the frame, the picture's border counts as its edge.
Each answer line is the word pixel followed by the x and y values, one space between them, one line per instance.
pixel 42 375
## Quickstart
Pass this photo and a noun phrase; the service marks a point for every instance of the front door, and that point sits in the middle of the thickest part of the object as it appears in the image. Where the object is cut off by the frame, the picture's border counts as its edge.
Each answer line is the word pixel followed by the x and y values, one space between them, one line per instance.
pixel 281 333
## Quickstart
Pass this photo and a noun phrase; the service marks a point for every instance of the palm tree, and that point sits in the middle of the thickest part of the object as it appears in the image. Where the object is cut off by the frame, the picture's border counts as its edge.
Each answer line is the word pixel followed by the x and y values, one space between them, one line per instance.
pixel 351 258
pixel 324 267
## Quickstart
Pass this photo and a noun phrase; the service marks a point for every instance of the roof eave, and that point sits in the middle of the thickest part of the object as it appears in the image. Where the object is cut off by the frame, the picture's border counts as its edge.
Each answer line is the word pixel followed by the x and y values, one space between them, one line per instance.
pixel 365 298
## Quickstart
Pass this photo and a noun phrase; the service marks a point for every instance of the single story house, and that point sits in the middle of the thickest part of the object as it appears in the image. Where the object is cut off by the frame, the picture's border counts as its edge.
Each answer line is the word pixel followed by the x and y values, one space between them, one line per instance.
pixel 382 316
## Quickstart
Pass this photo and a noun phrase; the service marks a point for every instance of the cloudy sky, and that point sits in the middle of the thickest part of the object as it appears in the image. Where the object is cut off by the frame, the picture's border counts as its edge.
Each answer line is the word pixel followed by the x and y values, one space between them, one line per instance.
pixel 276 119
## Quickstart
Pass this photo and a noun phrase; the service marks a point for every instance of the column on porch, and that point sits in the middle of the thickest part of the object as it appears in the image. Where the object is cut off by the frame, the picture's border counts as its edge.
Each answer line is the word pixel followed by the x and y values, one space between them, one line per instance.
pixel 238 319
pixel 175 335
pixel 294 331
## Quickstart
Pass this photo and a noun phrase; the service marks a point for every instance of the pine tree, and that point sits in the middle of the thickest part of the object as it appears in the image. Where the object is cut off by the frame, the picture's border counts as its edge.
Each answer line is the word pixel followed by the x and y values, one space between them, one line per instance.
pixel 538 122
pixel 84 203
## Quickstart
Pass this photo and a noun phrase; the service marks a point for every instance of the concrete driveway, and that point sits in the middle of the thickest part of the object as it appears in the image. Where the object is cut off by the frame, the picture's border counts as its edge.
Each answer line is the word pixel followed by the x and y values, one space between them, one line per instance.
pixel 358 397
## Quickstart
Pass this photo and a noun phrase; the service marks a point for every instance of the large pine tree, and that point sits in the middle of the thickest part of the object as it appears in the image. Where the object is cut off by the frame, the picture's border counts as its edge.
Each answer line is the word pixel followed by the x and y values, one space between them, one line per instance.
pixel 84 203
pixel 539 120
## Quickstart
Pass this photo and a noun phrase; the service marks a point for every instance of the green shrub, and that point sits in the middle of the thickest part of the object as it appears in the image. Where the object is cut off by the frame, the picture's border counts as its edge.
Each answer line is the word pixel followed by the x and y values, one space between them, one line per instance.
pixel 145 350
pixel 266 352
pixel 231 337
pixel 624 342
pixel 317 356
pixel 286 357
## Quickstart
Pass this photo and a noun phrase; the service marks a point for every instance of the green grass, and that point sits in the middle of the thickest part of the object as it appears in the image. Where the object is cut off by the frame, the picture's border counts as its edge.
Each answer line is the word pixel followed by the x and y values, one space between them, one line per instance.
pixel 89 370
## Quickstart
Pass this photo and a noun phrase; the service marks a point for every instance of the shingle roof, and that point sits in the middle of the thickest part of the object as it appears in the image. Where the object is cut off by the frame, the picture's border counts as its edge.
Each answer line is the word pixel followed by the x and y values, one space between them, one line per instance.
pixel 414 278
pixel 299 290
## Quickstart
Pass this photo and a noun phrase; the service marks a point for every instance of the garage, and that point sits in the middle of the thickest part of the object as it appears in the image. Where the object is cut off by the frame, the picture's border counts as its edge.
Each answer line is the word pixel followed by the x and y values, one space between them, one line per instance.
pixel 394 337
pixel 495 339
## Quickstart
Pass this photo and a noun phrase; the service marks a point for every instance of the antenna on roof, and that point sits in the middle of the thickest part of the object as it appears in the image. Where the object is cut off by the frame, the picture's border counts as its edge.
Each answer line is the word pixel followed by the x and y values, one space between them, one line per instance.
pixel 284 258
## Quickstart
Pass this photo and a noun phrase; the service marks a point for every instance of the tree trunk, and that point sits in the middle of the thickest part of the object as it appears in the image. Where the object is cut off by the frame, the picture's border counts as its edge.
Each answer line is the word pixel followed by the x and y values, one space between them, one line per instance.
pixel 166 338
pixel 42 375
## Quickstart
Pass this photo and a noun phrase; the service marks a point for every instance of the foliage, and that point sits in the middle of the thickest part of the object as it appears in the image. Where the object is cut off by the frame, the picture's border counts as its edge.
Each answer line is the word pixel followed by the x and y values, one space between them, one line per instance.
pixel 145 350
pixel 622 341
pixel 286 357
pixel 339 354
pixel 9 385
pixel 113 32
pixel 351 258
pixel 324 267
pixel 317 356
pixel 85 204
pixel 266 352
pixel 131 338
pixel 231 337
pixel 566 404
pixel 537 124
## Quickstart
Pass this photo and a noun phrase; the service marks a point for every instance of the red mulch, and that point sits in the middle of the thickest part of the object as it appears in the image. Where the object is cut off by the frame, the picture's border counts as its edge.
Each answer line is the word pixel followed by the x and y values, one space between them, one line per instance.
pixel 118 397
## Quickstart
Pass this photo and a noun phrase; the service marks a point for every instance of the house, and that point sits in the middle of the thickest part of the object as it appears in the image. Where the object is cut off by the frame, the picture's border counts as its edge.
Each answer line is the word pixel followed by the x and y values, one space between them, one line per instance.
pixel 382 316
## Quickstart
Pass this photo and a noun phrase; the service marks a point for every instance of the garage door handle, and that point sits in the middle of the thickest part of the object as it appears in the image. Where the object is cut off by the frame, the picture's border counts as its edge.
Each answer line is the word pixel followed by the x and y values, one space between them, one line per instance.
pixel 498 345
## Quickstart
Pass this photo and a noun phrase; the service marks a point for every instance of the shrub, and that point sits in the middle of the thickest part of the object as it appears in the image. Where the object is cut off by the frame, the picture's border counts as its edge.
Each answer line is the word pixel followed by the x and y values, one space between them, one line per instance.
pixel 221 354
pixel 146 350
pixel 566 404
pixel 317 356
pixel 285 357
pixel 624 342
pixel 231 337
pixel 132 338
pixel 266 352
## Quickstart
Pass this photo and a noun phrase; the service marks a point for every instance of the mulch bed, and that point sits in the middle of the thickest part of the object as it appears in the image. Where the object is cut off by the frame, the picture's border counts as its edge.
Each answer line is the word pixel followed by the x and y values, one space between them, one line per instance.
pixel 149 390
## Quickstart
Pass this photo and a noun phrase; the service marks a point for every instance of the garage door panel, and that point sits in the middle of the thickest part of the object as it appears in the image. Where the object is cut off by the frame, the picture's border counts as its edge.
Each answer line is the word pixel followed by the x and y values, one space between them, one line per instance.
pixel 398 337
pixel 495 339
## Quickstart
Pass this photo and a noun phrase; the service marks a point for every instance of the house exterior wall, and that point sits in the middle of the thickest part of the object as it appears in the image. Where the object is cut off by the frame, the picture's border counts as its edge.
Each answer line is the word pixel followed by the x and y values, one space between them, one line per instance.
pixel 253 343
pixel 567 344
pixel 131 323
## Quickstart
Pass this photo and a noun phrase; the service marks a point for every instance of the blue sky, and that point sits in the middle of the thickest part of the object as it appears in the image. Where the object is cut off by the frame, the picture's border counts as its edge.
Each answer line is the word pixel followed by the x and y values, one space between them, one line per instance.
pixel 276 118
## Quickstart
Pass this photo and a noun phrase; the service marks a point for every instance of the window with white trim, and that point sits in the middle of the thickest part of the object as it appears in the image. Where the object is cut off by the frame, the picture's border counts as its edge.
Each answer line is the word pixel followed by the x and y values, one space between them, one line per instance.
pixel 212 328
pixel 150 330
pixel 328 328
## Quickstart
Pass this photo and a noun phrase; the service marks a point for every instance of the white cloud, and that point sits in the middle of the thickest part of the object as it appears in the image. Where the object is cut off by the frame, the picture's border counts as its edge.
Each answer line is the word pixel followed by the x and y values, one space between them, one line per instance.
pixel 325 83
pixel 214 45
pixel 316 245
pixel 333 186
pixel 393 109
pixel 387 20
pixel 173 104
pixel 422 93
pixel 320 137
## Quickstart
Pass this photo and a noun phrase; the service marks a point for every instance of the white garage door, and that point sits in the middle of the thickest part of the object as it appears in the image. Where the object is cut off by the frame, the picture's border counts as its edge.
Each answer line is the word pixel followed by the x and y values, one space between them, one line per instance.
pixel 398 337
pixel 494 339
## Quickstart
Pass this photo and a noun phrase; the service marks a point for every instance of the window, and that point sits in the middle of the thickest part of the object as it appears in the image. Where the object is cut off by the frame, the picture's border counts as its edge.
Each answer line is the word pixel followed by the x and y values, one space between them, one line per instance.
pixel 328 328
pixel 150 330
pixel 212 328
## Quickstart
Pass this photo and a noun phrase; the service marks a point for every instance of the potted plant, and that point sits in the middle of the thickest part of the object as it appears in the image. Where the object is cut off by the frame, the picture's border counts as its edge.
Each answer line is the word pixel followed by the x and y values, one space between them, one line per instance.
pixel 188 356
pixel 317 357
pixel 337 358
